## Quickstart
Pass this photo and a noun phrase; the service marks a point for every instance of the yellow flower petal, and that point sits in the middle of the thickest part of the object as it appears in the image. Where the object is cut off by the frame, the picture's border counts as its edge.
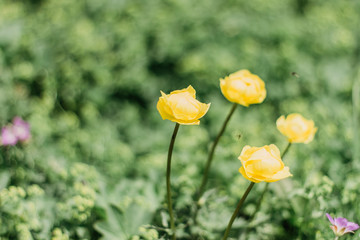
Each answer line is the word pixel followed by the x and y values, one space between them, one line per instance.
pixel 189 90
pixel 296 128
pixel 183 122
pixel 311 136
pixel 242 171
pixel 244 150
pixel 181 106
pixel 184 106
pixel 203 109
pixel 284 173
pixel 274 150
pixel 164 109
pixel 243 88
pixel 262 164
pixel 280 124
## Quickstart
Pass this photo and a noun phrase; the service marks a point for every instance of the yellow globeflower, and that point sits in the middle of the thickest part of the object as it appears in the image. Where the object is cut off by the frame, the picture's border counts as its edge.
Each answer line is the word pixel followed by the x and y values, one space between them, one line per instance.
pixel 262 164
pixel 181 106
pixel 243 87
pixel 296 128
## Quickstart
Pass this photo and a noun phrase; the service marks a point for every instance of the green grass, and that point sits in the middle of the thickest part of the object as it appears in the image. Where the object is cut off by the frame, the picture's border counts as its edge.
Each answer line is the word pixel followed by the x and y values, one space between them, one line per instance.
pixel 87 76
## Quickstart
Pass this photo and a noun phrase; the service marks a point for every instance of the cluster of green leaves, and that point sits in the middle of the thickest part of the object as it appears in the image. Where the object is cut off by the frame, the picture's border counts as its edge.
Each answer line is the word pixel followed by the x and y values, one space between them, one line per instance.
pixel 87 75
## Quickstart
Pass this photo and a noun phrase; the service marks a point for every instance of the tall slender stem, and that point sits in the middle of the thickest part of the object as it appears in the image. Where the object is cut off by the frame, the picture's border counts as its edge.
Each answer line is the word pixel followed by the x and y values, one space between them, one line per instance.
pixel 168 171
pixel 211 153
pixel 237 210
pixel 267 187
pixel 258 204
pixel 286 149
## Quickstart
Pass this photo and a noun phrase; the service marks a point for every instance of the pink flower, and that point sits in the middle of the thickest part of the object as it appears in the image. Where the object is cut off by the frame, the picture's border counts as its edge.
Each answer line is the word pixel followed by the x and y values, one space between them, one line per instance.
pixel 8 136
pixel 18 131
pixel 21 129
pixel 341 226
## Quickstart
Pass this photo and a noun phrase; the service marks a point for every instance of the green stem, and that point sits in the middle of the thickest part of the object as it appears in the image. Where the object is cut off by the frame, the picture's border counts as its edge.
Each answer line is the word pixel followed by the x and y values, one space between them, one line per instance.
pixel 236 212
pixel 336 238
pixel 211 153
pixel 285 151
pixel 258 205
pixel 168 170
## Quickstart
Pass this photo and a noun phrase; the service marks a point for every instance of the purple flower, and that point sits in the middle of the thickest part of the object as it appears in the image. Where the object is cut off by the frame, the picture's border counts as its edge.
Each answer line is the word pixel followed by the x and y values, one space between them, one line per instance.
pixel 8 136
pixel 21 129
pixel 341 226
pixel 18 131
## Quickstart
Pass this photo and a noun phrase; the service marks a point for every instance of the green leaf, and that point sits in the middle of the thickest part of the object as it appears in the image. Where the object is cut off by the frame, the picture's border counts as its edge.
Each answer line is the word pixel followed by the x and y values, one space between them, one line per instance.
pixel 112 227
pixel 4 179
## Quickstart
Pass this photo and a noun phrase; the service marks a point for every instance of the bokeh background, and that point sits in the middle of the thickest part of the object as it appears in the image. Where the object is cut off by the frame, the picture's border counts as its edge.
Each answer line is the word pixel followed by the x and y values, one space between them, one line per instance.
pixel 87 75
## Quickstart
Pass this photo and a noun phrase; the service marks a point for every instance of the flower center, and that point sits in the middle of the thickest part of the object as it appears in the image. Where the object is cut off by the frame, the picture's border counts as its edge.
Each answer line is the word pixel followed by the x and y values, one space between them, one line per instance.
pixel 184 105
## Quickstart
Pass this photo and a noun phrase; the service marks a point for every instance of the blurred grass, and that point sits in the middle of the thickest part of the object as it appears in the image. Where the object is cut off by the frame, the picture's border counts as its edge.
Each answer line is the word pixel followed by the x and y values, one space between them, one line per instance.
pixel 87 76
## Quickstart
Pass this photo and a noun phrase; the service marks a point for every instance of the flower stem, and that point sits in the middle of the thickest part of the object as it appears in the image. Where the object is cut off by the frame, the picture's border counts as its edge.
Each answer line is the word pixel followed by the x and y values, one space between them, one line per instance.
pixel 336 238
pixel 168 170
pixel 211 153
pixel 258 204
pixel 237 210
pixel 286 149
pixel 267 187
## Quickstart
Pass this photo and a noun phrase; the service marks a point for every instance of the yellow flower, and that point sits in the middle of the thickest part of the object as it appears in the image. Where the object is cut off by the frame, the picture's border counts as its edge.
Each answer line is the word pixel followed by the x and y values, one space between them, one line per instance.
pixel 263 164
pixel 296 128
pixel 181 106
pixel 243 87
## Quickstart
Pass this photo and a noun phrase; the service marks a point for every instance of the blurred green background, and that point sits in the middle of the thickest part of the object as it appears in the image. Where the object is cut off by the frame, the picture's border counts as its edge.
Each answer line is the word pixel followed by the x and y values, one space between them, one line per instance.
pixel 87 76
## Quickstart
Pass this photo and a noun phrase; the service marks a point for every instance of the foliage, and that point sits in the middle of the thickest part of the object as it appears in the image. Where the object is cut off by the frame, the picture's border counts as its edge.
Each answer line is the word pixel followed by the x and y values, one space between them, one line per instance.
pixel 87 75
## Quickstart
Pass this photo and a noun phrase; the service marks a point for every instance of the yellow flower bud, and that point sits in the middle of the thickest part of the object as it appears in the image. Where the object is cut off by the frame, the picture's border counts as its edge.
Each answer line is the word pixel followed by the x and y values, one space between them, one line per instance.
pixel 181 106
pixel 296 128
pixel 243 87
pixel 263 164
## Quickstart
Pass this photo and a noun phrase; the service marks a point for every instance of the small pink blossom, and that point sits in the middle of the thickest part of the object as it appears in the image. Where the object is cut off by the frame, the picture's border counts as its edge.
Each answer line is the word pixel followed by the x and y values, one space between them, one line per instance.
pixel 8 136
pixel 21 129
pixel 18 131
pixel 341 226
